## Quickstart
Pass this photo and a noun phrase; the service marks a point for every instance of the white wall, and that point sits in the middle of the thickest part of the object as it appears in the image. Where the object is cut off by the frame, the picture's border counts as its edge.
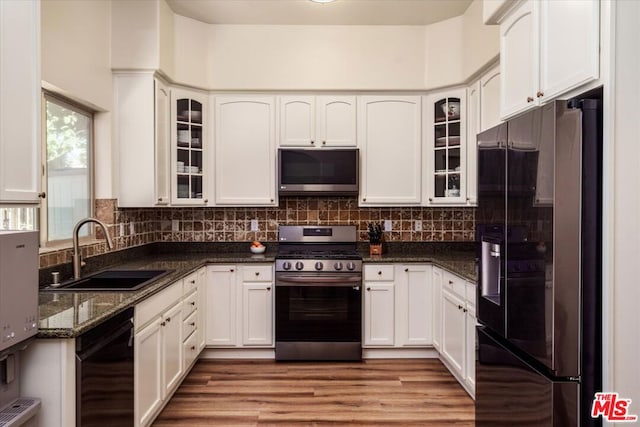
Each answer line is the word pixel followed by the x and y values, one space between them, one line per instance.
pixel 622 315
pixel 444 48
pixel 166 40
pixel 75 49
pixel 192 57
pixel 298 57
pixel 480 43
pixel 76 62
pixel 135 29
pixel 316 57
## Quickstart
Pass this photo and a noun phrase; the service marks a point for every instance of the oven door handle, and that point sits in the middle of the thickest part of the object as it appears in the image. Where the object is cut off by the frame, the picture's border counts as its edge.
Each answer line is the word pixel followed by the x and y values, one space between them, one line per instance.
pixel 319 281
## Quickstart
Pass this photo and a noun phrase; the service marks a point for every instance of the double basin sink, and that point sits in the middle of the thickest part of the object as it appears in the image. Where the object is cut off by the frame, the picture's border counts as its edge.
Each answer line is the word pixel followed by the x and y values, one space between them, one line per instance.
pixel 112 281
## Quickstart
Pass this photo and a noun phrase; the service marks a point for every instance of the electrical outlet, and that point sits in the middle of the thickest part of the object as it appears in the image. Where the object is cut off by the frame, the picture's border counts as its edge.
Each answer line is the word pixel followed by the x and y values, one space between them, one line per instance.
pixel 121 232
pixel 254 225
pixel 417 225
pixel 132 228
pixel 387 225
pixel 175 225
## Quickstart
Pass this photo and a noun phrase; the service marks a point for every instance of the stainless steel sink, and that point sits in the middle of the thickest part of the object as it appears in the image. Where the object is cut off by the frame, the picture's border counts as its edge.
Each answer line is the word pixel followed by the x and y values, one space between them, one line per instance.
pixel 113 281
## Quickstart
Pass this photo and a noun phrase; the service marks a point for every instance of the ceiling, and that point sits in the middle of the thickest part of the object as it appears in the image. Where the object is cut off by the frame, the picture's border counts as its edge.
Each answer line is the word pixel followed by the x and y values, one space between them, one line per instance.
pixel 306 12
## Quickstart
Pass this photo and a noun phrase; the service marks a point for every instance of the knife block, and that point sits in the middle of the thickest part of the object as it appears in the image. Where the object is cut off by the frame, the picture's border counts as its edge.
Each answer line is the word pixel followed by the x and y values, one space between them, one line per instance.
pixel 375 249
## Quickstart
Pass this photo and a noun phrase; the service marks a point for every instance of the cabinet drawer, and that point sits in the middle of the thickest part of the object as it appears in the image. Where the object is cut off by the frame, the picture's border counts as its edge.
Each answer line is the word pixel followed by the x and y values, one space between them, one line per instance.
pixel 156 304
pixel 258 273
pixel 190 351
pixel 378 272
pixel 454 284
pixel 189 325
pixel 190 282
pixel 190 303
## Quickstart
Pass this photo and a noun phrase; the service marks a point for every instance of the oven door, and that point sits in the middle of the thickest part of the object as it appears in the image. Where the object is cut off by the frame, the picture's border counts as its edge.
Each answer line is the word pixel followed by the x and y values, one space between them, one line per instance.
pixel 318 307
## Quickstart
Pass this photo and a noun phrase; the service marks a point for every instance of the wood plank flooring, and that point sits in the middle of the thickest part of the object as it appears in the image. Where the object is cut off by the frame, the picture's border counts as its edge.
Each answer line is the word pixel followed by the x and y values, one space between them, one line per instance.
pixel 374 392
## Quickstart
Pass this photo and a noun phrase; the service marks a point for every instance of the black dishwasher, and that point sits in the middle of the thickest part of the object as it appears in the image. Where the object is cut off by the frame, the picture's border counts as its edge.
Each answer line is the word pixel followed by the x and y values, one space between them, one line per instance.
pixel 104 373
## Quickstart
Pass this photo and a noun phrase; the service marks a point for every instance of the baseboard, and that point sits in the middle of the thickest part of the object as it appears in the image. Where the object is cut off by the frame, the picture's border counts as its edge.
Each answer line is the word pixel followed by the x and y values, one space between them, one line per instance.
pixel 238 353
pixel 399 353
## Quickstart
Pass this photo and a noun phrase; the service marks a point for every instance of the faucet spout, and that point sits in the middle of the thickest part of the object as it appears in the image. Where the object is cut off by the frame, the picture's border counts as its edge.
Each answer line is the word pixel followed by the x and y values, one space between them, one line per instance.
pixel 77 257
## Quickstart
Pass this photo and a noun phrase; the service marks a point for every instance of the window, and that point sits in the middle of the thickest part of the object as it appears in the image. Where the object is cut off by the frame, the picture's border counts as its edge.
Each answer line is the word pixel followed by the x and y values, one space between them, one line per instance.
pixel 68 168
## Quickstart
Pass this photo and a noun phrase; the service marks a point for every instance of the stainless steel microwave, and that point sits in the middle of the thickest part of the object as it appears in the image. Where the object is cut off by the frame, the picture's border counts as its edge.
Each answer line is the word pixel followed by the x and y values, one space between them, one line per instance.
pixel 321 172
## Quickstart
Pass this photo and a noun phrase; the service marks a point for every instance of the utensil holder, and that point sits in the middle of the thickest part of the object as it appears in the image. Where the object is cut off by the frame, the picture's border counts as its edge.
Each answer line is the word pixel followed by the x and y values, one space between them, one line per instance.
pixel 375 249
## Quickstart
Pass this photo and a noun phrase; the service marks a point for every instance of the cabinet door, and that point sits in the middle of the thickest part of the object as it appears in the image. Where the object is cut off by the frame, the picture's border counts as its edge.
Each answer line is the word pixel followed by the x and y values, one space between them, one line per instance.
pixel 20 85
pixel 148 373
pixel 172 348
pixel 336 121
pixel 257 313
pixel 379 310
pixel 202 302
pixel 453 332
pixel 389 133
pixel 568 59
pixel 162 144
pixel 474 113
pixel 446 148
pixel 490 99
pixel 297 121
pixel 189 148
pixel 437 307
pixel 221 305
pixel 245 151
pixel 519 59
pixel 414 306
pixel 470 347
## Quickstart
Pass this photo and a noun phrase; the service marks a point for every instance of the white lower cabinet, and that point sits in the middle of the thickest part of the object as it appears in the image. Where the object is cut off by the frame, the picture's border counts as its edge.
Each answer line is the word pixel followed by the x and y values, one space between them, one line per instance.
pixel 458 340
pixel 414 296
pixel 453 332
pixel 239 309
pixel 398 303
pixel 166 338
pixel 221 305
pixel 437 274
pixel 158 364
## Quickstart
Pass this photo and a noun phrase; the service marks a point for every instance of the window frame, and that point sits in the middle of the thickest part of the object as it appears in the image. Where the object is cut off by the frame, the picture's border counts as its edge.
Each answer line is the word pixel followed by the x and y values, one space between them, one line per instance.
pixel 48 96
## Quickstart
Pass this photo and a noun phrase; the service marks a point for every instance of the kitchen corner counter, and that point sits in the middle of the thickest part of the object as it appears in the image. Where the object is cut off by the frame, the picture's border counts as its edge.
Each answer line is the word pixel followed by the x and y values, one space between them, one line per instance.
pixel 67 314
pixel 462 263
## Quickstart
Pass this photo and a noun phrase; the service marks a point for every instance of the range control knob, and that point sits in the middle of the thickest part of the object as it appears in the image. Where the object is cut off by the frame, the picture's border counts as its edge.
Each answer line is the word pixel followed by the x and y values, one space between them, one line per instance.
pixel 286 265
pixel 299 265
pixel 351 266
pixel 319 265
pixel 337 266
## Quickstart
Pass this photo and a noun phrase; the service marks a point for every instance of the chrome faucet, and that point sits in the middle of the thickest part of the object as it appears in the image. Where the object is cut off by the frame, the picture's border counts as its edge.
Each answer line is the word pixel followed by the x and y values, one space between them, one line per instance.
pixel 76 257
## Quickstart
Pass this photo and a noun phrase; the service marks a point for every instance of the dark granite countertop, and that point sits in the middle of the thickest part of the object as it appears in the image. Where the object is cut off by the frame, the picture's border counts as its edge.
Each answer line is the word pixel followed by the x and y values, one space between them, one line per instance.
pixel 65 314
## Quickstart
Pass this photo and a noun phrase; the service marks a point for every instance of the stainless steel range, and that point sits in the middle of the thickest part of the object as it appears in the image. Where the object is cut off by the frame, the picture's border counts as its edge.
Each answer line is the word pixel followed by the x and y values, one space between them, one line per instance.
pixel 318 294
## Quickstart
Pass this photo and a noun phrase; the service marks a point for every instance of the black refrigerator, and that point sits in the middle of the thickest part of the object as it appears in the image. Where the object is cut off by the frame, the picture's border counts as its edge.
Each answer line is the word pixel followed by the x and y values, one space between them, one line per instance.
pixel 539 228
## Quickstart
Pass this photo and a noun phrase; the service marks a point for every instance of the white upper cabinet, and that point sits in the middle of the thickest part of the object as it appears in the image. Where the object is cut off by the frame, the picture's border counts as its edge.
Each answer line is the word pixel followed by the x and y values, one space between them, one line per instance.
pixel 323 121
pixel 489 99
pixel 245 151
pixel 143 155
pixel 519 59
pixel 20 100
pixel 389 135
pixel 446 148
pixel 189 148
pixel 547 48
pixel 474 95
pixel 336 121
pixel 569 45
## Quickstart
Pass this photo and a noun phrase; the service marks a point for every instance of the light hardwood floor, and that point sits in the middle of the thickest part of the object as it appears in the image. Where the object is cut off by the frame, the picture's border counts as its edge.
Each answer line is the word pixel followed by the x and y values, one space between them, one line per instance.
pixel 374 392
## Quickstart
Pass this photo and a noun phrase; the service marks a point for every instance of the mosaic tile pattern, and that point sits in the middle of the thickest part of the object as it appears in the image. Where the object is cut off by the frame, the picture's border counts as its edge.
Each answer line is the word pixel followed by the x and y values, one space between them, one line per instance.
pixel 234 224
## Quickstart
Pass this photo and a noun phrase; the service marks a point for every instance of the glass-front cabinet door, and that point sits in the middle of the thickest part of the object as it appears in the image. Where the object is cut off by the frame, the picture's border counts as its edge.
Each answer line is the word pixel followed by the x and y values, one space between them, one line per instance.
pixel 189 166
pixel 446 172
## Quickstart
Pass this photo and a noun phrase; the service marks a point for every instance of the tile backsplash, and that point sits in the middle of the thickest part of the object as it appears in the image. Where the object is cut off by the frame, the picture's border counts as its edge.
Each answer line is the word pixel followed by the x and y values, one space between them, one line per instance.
pixel 234 224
